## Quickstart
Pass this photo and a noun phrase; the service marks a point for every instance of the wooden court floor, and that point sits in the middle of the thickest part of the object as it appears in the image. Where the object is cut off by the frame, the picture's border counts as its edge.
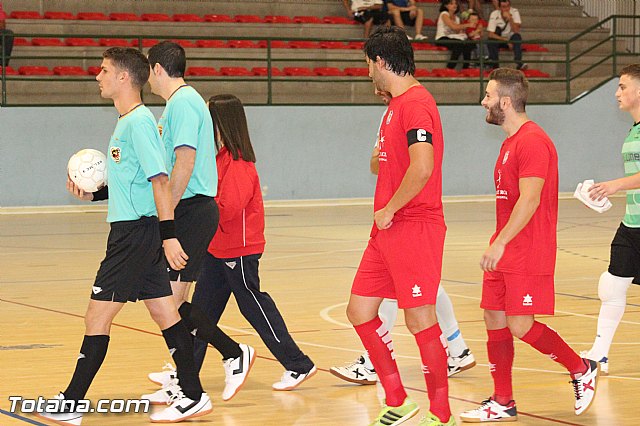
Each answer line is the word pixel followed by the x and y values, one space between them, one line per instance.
pixel 48 262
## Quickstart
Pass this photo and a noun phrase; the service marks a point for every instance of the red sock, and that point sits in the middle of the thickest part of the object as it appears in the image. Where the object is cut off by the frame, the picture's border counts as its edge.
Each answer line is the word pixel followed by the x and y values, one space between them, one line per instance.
pixel 377 340
pixel 500 352
pixel 434 367
pixel 548 342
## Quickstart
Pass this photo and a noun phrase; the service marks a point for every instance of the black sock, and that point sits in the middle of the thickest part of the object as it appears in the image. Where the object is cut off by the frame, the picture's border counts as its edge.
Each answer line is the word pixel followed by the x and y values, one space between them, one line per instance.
pixel 181 348
pixel 92 353
pixel 206 331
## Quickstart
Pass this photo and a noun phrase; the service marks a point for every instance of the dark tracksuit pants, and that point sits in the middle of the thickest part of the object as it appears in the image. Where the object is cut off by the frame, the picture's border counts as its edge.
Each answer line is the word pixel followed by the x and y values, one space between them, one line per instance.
pixel 221 277
pixel 494 51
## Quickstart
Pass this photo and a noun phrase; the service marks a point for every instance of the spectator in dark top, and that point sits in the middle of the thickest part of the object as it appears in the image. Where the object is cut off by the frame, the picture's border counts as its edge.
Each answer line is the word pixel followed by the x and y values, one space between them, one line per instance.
pixel 504 26
pixel 367 12
pixel 405 12
pixel 6 39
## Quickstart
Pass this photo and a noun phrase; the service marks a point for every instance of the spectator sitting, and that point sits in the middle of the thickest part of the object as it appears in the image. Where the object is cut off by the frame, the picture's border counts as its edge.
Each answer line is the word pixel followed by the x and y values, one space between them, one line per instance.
pixel 405 12
pixel 6 39
pixel 476 5
pixel 450 33
pixel 475 32
pixel 367 12
pixel 504 25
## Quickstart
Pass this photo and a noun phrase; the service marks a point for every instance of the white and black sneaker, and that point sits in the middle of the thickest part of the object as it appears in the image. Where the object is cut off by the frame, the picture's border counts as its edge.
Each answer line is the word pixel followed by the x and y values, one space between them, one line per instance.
pixel 491 411
pixel 165 376
pixel 356 372
pixel 584 386
pixel 291 380
pixel 236 371
pixel 462 362
pixel 164 395
pixel 61 417
pixel 183 408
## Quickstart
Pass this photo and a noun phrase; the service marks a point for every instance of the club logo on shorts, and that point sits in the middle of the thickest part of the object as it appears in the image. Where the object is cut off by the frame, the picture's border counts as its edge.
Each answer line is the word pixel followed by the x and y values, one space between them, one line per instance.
pixel 389 116
pixel 527 300
pixel 506 157
pixel 416 291
pixel 231 264
pixel 115 154
pixel 160 129
pixel 96 289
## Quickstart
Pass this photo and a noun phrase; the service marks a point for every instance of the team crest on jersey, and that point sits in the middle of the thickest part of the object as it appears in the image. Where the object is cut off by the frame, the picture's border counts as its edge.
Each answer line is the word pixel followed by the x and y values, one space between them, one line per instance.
pixel 389 116
pixel 160 129
pixel 506 157
pixel 115 154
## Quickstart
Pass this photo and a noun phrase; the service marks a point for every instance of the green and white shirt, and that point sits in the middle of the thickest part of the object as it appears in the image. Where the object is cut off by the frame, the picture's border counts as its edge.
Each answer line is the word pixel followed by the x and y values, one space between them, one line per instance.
pixel 631 157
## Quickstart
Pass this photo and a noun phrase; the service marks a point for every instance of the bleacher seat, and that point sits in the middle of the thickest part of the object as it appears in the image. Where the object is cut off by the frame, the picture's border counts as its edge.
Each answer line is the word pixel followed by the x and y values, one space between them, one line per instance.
pixel 43 41
pixel 187 44
pixel 328 72
pixel 94 70
pixel 34 70
pixel 25 14
pixel 147 42
pixel 20 41
pixel 69 70
pixel 155 17
pixel 235 71
pixel 248 19
pixel 338 20
pixel 92 16
pixel 279 44
pixel 81 42
pixel 298 71
pixel 359 45
pixel 470 72
pixel 528 47
pixel 124 17
pixel 356 72
pixel 278 19
pixel 426 46
pixel 301 44
pixel 59 15
pixel 263 71
pixel 421 72
pixel 243 44
pixel 187 17
pixel 201 72
pixel 114 42
pixel 530 73
pixel 444 72
pixel 430 22
pixel 333 45
pixel 216 44
pixel 8 71
pixel 218 18
pixel 307 20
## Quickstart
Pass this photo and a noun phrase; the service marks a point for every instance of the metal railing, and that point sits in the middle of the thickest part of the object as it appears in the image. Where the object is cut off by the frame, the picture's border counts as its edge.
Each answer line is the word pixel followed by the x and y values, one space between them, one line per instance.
pixel 581 64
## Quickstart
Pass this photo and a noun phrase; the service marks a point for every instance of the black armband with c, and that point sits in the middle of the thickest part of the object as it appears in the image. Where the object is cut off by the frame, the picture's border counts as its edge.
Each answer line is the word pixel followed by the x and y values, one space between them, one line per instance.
pixel 167 229
pixel 418 135
pixel 101 194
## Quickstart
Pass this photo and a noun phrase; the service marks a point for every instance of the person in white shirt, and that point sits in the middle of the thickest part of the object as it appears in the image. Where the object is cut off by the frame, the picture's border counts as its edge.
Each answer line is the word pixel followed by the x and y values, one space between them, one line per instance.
pixel 367 12
pixel 504 27
pixel 451 34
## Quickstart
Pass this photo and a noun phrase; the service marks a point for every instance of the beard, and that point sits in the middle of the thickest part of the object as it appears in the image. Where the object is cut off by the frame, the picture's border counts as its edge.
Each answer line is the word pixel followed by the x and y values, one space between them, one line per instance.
pixel 495 115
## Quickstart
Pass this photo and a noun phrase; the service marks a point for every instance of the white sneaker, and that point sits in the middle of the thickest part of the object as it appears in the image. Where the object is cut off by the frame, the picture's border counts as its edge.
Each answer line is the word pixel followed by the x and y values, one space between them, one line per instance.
pixel 163 378
pixel 164 395
pixel 183 408
pixel 604 362
pixel 236 371
pixel 419 37
pixel 409 37
pixel 291 380
pixel 356 372
pixel 584 386
pixel 462 362
pixel 491 411
pixel 61 417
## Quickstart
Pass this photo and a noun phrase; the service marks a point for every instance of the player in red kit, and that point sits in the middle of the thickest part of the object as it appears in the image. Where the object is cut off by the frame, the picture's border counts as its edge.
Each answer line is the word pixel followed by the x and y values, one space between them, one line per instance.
pixel 519 264
pixel 403 259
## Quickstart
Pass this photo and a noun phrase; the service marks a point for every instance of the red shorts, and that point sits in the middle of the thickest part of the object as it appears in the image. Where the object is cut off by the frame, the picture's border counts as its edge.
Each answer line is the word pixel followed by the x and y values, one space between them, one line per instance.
pixel 518 294
pixel 403 262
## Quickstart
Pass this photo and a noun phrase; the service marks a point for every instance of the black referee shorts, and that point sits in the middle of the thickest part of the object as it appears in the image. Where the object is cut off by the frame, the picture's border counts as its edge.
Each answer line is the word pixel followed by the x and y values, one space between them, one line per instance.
pixel 625 253
pixel 134 267
pixel 196 223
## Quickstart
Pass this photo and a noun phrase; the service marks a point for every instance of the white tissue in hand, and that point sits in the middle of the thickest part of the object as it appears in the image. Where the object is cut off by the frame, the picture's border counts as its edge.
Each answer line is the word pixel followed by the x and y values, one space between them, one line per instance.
pixel 582 194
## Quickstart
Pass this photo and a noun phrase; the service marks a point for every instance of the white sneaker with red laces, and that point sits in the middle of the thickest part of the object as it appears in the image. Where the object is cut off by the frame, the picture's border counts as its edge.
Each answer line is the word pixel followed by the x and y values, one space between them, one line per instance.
pixel 491 411
pixel 584 386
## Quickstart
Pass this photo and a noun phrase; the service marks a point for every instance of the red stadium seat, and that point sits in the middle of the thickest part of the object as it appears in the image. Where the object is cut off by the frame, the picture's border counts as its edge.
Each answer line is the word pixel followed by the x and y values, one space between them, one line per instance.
pixel 429 22
pixel 59 15
pixel 216 44
pixel 201 72
pixel 235 71
pixel 25 14
pixel 41 41
pixel 278 19
pixel 279 44
pixel 534 48
pixel 21 42
pixel 356 45
pixel 424 46
pixel 243 44
pixel 155 17
pixel 187 17
pixel 147 42
pixel 328 71
pixel 307 20
pixel 34 70
pixel 301 44
pixel 338 20
pixel 356 72
pixel 187 44
pixel 530 73
pixel 92 16
pixel 94 70
pixel 69 71
pixel 333 45
pixel 81 42
pixel 263 71
pixel 444 72
pixel 421 72
pixel 470 72
pixel 8 71
pixel 218 18
pixel 248 19
pixel 298 71
pixel 114 42
pixel 124 17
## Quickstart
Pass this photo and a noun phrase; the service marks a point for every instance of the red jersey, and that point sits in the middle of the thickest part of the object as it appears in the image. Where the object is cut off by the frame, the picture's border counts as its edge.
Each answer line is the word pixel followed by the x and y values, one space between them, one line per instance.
pixel 414 110
pixel 241 227
pixel 528 153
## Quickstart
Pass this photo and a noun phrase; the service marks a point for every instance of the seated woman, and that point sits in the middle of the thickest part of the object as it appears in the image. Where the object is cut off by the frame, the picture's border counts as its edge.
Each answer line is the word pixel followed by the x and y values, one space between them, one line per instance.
pixel 450 33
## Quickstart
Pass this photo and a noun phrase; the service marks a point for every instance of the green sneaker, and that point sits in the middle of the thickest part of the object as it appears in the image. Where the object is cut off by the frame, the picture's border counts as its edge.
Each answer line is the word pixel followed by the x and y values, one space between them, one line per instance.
pixel 390 416
pixel 432 420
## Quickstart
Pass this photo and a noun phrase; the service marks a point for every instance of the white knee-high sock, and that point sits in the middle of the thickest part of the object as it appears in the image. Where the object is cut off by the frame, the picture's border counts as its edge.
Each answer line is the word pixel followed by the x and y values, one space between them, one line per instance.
pixel 449 324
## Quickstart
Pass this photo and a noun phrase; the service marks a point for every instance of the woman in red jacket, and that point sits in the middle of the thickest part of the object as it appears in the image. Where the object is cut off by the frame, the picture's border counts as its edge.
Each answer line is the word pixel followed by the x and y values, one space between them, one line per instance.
pixel 231 264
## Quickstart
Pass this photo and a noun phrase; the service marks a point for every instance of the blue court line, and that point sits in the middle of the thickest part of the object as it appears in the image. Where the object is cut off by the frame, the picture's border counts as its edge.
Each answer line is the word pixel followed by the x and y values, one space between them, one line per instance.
pixel 24 419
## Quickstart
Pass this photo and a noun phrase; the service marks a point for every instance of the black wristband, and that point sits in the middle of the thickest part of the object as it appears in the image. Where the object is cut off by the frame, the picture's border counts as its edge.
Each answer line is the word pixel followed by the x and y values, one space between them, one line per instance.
pixel 101 194
pixel 167 229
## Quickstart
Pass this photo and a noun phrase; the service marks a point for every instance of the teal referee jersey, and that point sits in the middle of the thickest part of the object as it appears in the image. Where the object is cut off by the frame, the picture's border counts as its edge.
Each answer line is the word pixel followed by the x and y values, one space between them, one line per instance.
pixel 631 157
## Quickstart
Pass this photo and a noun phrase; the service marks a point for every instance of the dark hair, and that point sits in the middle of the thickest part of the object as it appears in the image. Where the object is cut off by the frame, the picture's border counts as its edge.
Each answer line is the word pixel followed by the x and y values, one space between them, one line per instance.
pixel 632 70
pixel 445 3
pixel 170 56
pixel 393 46
pixel 513 84
pixel 474 14
pixel 229 119
pixel 132 61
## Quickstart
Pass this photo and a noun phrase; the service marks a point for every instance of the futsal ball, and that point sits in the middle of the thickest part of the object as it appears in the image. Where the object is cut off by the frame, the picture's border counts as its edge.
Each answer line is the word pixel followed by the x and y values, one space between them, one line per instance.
pixel 88 169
